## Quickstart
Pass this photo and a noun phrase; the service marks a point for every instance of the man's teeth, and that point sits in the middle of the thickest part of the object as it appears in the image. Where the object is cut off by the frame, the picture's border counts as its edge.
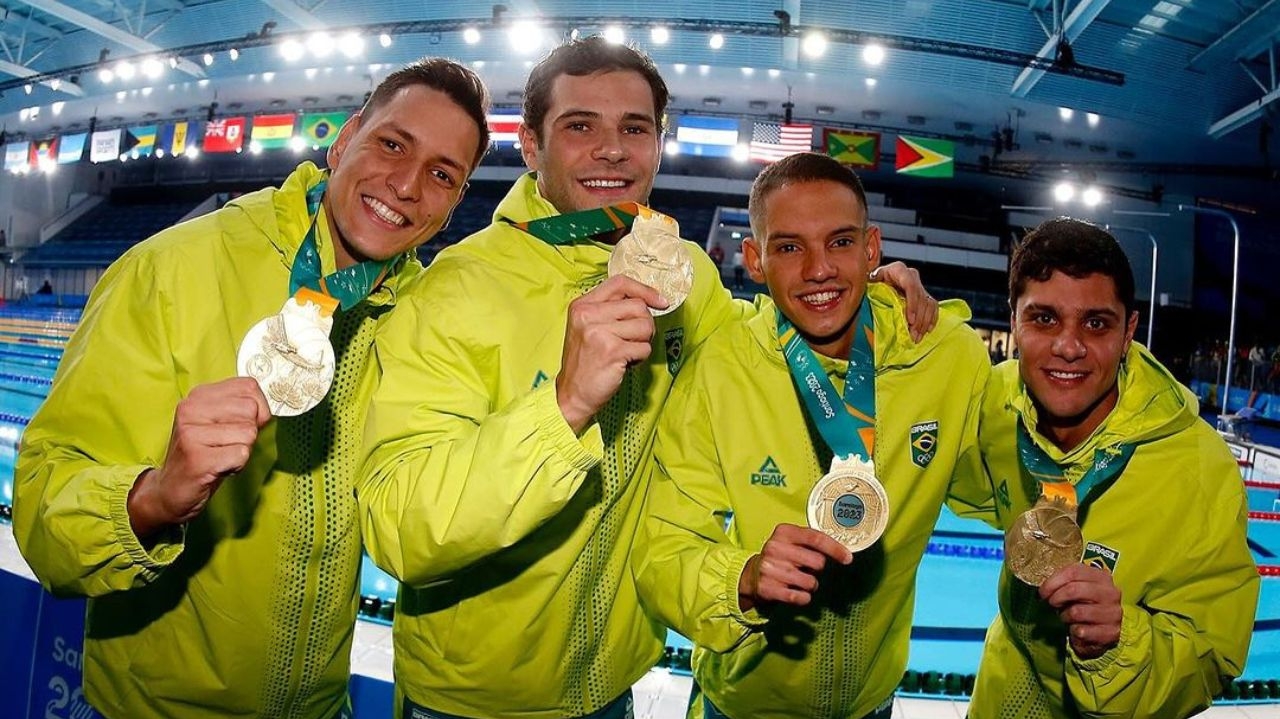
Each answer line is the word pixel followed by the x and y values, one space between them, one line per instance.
pixel 384 212
pixel 820 298
pixel 605 184
pixel 1066 375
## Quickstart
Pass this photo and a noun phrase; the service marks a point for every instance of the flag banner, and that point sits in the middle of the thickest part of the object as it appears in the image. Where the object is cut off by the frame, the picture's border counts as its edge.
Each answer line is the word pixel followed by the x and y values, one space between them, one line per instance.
pixel 225 135
pixel 321 129
pixel 272 132
pixel 142 141
pixel 707 136
pixel 504 129
pixel 105 146
pixel 853 147
pixel 15 156
pixel 44 153
pixel 924 157
pixel 71 148
pixel 771 142
pixel 172 139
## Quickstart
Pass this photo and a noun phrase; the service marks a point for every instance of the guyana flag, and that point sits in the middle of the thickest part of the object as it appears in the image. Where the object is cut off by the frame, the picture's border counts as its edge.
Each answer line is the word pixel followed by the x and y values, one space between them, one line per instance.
pixel 321 129
pixel 853 148
pixel 272 132
pixel 926 158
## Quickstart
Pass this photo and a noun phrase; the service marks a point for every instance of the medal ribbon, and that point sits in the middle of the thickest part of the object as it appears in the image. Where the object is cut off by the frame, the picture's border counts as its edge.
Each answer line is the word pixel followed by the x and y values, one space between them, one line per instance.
pixel 1108 463
pixel 574 226
pixel 850 428
pixel 347 286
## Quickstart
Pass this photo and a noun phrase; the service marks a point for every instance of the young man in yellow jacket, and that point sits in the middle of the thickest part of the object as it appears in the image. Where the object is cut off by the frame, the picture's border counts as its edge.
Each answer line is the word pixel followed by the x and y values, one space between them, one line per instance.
pixel 218 545
pixel 1124 507
pixel 787 621
pixel 510 444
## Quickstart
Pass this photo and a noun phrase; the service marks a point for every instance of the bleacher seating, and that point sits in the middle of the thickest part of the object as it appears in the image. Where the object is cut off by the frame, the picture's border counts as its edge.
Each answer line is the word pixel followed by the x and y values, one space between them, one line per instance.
pixel 103 234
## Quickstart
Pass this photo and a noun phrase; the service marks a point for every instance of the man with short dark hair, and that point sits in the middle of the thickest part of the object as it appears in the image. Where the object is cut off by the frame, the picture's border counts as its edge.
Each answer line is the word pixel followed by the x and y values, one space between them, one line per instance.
pixel 825 379
pixel 1128 587
pixel 219 546
pixel 509 447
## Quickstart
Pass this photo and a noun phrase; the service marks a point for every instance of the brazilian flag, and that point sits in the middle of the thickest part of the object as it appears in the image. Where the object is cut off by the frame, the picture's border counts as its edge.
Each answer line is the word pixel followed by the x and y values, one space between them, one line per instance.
pixel 853 148
pixel 924 157
pixel 320 129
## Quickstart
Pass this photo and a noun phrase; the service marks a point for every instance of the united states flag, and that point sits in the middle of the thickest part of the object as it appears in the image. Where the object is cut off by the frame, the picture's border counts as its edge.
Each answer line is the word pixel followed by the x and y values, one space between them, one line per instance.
pixel 771 142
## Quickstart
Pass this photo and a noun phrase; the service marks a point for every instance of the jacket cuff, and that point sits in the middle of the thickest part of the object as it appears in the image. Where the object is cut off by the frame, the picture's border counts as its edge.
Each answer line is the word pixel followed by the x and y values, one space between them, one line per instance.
pixel 735 563
pixel 168 544
pixel 1134 628
pixel 582 453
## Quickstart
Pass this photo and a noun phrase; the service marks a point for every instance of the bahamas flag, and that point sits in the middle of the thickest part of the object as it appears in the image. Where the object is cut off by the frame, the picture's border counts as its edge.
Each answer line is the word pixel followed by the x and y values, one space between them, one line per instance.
pixel 71 148
pixel 925 158
pixel 320 129
pixel 853 148
pixel 172 139
pixel 143 141
pixel 272 132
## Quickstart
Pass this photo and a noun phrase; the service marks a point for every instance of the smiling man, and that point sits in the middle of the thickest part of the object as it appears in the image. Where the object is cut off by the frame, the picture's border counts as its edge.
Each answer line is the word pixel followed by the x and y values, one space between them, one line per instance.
pixel 787 622
pixel 219 546
pixel 1087 427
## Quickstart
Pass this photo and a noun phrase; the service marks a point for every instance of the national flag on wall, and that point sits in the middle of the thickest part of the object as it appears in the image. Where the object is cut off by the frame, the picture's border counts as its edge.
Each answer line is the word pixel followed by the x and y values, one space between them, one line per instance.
pixel 923 157
pixel 44 153
pixel 771 142
pixel 707 136
pixel 225 135
pixel 503 129
pixel 71 148
pixel 142 141
pixel 15 156
pixel 172 139
pixel 852 147
pixel 272 132
pixel 320 129
pixel 105 146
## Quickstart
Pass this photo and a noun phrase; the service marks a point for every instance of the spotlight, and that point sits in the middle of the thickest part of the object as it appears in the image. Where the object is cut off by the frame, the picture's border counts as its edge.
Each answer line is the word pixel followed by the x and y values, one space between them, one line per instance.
pixel 1092 196
pixel 471 36
pixel 659 35
pixel 384 40
pixel 716 42
pixel 614 35
pixel 1064 191
pixel 873 54
pixel 814 44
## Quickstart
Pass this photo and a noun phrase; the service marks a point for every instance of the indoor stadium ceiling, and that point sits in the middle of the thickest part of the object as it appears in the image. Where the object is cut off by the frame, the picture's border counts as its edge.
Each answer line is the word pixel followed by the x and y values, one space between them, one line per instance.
pixel 1174 85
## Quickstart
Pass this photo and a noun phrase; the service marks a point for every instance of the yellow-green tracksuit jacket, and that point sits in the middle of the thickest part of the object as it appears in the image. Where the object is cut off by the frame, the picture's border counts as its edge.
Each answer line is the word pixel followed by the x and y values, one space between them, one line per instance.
pixel 509 534
pixel 248 610
pixel 1173 524
pixel 737 455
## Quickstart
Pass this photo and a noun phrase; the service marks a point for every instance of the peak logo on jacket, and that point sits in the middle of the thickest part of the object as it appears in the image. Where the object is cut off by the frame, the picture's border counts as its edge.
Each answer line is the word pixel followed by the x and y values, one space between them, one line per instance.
pixel 769 475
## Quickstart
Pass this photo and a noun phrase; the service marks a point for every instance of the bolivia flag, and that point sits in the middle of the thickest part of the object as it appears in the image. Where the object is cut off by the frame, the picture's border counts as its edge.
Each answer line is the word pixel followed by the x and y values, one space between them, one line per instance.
pixel 849 147
pixel 926 158
pixel 321 129
pixel 272 132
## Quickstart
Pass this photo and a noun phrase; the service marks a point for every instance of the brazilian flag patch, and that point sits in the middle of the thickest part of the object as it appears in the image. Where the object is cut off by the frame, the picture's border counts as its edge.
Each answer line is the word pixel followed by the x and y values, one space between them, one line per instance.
pixel 675 349
pixel 924 442
pixel 1101 556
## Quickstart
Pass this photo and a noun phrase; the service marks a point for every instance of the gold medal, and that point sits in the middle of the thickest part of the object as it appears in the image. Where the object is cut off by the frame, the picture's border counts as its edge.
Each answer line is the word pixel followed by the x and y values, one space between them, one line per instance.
pixel 1042 541
pixel 290 356
pixel 849 504
pixel 653 254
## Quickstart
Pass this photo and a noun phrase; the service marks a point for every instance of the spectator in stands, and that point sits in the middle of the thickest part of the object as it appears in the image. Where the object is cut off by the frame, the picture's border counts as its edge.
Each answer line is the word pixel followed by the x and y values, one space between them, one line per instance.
pixel 765 598
pixel 1088 425
pixel 4 241
pixel 510 443
pixel 21 286
pixel 739 270
pixel 46 288
pixel 717 255
pixel 238 599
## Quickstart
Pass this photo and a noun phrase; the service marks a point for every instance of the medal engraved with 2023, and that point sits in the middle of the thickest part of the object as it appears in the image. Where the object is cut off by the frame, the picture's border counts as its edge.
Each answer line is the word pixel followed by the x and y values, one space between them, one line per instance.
pixel 1042 541
pixel 849 504
pixel 653 254
pixel 290 356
